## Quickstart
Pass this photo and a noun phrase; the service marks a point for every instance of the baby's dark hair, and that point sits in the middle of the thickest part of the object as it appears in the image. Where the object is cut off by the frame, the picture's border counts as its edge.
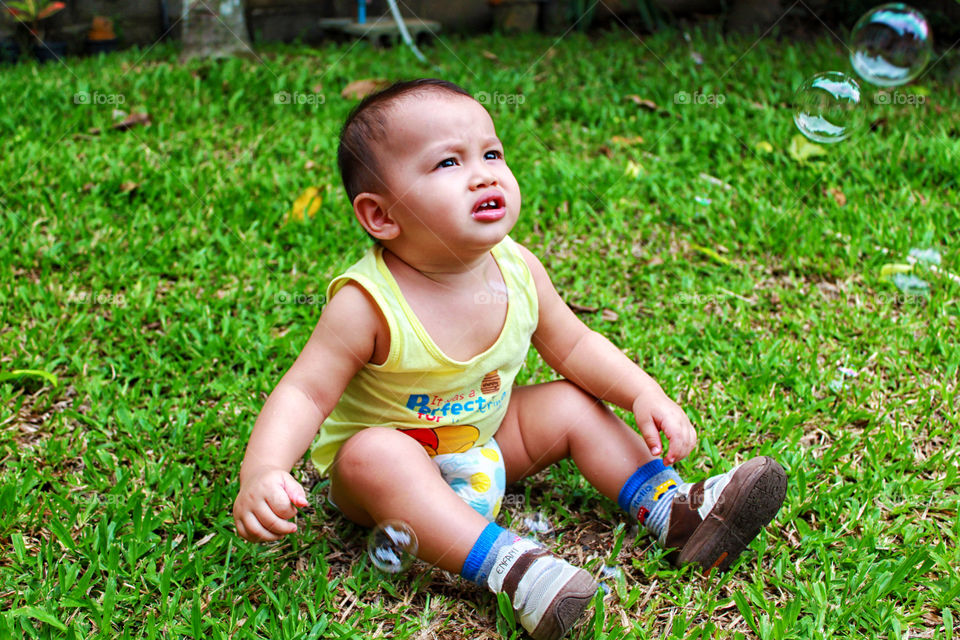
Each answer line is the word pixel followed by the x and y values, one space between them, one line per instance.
pixel 366 124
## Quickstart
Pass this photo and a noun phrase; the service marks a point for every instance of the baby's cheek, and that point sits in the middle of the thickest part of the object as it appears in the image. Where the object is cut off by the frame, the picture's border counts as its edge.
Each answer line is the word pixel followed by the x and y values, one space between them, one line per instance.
pixel 513 188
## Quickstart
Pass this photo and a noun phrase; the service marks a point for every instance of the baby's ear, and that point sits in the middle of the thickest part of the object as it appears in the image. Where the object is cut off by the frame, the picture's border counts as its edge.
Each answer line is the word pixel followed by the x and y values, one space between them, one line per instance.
pixel 371 212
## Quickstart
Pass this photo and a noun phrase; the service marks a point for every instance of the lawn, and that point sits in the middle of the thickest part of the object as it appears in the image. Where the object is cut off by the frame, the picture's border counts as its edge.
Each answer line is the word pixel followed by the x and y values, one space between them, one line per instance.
pixel 154 276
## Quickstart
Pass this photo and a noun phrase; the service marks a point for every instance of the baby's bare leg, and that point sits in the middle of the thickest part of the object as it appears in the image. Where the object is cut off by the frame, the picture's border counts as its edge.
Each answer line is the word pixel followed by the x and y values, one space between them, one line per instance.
pixel 547 422
pixel 555 420
pixel 381 474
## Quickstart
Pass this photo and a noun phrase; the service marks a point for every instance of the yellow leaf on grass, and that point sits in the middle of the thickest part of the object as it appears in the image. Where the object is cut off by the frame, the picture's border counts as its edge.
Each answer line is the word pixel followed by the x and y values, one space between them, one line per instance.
pixel 306 205
pixel 707 251
pixel 888 270
pixel 764 147
pixel 801 149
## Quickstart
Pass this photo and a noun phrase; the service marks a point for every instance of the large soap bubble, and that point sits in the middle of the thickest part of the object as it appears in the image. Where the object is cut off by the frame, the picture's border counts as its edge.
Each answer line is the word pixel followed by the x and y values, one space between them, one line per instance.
pixel 890 45
pixel 827 107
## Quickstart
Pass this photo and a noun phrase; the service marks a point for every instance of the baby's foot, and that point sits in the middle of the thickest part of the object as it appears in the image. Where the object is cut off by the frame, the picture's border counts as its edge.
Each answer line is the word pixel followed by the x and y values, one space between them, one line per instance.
pixel 713 521
pixel 548 593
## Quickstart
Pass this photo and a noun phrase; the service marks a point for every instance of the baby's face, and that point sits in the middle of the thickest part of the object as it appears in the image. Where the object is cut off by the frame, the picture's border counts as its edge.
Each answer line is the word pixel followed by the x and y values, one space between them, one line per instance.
pixel 448 185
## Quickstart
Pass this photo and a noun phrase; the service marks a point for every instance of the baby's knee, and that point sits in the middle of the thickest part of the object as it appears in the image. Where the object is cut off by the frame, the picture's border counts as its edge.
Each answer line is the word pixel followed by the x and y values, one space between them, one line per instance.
pixel 572 398
pixel 373 449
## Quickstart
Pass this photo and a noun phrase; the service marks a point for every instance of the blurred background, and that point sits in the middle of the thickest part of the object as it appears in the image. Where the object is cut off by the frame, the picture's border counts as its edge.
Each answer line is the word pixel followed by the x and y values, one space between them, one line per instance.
pixel 144 22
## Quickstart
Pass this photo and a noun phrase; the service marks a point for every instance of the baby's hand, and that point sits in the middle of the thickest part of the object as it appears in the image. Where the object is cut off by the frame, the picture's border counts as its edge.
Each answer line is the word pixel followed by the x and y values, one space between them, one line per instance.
pixel 656 412
pixel 266 501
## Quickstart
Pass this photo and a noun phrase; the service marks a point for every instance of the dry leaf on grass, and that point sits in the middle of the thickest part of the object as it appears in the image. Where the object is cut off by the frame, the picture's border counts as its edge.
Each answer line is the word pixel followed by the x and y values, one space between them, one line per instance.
pixel 133 120
pixel 626 141
pixel 579 308
pixel 643 103
pixel 838 195
pixel 359 89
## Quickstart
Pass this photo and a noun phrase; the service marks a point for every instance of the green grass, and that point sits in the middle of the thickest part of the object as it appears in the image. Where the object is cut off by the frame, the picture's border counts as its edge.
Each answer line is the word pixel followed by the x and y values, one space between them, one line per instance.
pixel 168 312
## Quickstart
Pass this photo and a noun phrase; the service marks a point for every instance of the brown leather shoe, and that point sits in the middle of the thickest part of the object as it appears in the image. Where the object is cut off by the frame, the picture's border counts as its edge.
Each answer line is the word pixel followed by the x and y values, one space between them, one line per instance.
pixel 713 521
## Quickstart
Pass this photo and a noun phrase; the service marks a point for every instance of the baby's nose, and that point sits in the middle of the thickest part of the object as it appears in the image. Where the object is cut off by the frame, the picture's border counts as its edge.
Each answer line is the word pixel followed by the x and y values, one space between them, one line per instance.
pixel 483 178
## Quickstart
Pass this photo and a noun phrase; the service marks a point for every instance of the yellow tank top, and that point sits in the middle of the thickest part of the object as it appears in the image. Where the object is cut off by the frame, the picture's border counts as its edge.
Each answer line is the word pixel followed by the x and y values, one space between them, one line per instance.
pixel 447 405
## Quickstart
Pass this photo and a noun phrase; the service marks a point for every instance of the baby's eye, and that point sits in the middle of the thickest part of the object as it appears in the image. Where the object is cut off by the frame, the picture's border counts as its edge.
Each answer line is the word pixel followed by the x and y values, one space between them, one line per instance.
pixel 449 162
pixel 493 155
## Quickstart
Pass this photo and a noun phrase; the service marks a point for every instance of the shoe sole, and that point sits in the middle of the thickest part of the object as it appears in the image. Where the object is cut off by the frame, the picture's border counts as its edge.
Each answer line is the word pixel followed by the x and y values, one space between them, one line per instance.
pixel 567 607
pixel 737 519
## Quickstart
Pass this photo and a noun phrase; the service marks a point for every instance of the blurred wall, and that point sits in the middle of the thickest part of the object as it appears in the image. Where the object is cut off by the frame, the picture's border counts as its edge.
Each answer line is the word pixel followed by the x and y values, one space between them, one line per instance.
pixel 142 22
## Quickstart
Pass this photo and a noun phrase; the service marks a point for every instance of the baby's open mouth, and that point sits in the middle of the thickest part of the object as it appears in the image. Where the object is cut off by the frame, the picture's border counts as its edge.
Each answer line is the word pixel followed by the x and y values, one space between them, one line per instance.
pixel 489 205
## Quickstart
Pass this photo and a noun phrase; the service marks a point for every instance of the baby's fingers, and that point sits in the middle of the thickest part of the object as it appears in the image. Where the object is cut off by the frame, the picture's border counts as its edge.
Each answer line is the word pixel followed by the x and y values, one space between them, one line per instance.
pixel 683 438
pixel 268 519
pixel 650 434
pixel 279 501
pixel 250 529
pixel 295 492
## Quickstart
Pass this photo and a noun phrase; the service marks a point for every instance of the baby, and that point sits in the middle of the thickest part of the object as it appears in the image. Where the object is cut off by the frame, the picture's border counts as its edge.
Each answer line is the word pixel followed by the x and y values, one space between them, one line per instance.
pixel 409 373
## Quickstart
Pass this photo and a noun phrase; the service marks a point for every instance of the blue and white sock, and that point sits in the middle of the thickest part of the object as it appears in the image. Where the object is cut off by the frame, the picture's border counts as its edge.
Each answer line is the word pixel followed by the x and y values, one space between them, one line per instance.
pixel 648 496
pixel 548 593
pixel 494 551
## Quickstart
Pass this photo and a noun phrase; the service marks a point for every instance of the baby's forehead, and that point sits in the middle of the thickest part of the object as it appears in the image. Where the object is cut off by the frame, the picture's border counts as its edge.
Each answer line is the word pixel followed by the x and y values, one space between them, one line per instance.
pixel 418 121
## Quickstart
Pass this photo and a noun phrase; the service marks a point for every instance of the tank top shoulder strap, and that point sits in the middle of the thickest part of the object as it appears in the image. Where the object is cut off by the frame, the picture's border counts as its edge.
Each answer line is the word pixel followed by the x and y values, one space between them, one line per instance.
pixel 368 272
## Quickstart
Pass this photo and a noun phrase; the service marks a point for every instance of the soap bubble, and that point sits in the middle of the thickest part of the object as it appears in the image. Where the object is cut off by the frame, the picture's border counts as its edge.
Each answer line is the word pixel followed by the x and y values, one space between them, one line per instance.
pixel 535 523
pixel 610 577
pixel 392 546
pixel 827 107
pixel 890 45
pixel 911 284
pixel 925 256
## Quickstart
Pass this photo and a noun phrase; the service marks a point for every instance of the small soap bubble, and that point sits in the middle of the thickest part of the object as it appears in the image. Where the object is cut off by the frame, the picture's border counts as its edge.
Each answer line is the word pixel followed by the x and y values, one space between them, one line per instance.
pixel 890 45
pixel 925 256
pixel 535 523
pixel 839 383
pixel 611 572
pixel 910 284
pixel 610 577
pixel 827 107
pixel 392 546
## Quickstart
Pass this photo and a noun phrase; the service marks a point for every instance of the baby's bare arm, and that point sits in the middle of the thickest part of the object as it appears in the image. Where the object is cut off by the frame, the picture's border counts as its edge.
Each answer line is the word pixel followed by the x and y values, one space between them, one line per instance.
pixel 597 366
pixel 342 342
